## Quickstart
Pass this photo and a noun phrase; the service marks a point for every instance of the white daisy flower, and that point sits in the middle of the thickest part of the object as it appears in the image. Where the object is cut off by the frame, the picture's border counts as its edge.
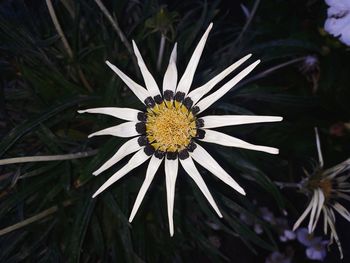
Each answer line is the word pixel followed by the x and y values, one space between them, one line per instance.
pixel 326 187
pixel 338 21
pixel 170 127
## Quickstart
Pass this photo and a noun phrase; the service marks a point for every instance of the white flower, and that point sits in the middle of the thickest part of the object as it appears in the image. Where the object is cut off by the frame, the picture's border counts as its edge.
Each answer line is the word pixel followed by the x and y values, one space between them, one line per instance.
pixel 338 21
pixel 326 186
pixel 170 127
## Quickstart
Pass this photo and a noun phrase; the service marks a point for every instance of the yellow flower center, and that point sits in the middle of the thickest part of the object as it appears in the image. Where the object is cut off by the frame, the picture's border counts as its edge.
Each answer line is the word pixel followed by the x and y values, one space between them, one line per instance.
pixel 170 126
pixel 326 187
pixel 322 183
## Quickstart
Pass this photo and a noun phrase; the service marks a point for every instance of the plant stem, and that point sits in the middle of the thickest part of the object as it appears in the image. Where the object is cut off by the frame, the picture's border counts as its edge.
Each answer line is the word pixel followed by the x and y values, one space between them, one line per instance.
pixel 32 219
pixel 287 185
pixel 65 43
pixel 161 52
pixel 248 22
pixel 319 151
pixel 267 72
pixel 115 24
pixel 46 158
pixel 59 28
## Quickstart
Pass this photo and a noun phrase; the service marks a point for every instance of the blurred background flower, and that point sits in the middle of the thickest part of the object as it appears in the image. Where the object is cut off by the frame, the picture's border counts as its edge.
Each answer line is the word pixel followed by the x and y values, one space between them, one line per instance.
pixel 338 20
pixel 52 57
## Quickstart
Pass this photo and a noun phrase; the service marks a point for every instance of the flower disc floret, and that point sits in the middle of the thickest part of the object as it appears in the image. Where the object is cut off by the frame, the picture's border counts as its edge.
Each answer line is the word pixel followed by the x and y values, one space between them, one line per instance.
pixel 170 127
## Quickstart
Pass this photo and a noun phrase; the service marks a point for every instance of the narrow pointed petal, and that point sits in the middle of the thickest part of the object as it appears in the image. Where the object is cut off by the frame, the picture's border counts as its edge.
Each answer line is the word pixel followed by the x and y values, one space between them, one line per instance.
pixel 215 121
pixel 151 171
pixel 150 83
pixel 342 211
pixel 140 92
pixel 319 151
pixel 135 161
pixel 302 217
pixel 170 76
pixel 335 235
pixel 171 169
pixel 201 156
pixel 124 130
pixel 192 171
pixel 313 210
pixel 325 225
pixel 198 93
pixel 209 100
pixel 227 140
pixel 127 148
pixel 321 200
pixel 342 195
pixel 120 113
pixel 338 169
pixel 187 78
pixel 342 179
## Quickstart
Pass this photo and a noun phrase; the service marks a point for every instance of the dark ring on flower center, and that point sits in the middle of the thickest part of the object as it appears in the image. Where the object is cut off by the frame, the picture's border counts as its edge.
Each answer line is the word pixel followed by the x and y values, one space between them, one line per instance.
pixel 183 154
pixel 168 95
pixel 149 101
pixel 200 134
pixel 191 146
pixel 188 102
pixel 149 150
pixel 141 116
pixel 142 140
pixel 179 96
pixel 171 155
pixel 199 123
pixel 140 127
pixel 158 99
pixel 195 110
pixel 159 154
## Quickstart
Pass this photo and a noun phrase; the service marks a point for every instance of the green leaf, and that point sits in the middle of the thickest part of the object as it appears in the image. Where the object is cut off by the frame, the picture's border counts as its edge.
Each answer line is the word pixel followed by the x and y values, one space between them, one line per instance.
pixel 31 124
pixel 78 231
pixel 123 226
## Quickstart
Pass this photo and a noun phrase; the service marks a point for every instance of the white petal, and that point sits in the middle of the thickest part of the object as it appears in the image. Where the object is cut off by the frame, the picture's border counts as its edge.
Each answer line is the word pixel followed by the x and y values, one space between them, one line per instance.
pixel 170 76
pixel 171 168
pixel 313 210
pixel 342 179
pixel 198 93
pixel 325 225
pixel 339 4
pixel 338 169
pixel 127 148
pixel 201 156
pixel 344 196
pixel 321 200
pixel 140 92
pixel 227 140
pixel 335 235
pixel 151 171
pixel 342 211
pixel 150 83
pixel 215 121
pixel 302 217
pixel 192 171
pixel 319 151
pixel 187 78
pixel 332 215
pixel 209 100
pixel 135 161
pixel 120 113
pixel 345 36
pixel 124 130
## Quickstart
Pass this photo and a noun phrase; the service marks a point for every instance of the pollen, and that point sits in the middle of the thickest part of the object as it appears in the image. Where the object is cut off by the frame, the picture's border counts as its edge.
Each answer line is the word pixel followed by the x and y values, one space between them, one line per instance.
pixel 170 126
pixel 326 187
pixel 325 184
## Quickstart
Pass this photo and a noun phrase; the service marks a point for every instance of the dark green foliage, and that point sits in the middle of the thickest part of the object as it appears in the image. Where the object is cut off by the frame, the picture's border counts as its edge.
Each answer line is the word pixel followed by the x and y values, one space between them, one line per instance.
pixel 42 87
